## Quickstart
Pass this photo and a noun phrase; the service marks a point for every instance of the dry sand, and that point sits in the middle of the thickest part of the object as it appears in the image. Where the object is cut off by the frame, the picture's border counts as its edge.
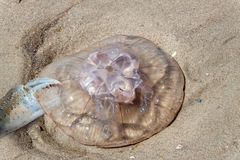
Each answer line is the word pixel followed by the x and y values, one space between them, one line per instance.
pixel 202 35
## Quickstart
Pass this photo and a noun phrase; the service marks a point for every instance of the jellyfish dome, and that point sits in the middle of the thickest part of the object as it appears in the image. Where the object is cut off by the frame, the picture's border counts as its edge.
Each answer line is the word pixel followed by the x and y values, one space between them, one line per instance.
pixel 119 91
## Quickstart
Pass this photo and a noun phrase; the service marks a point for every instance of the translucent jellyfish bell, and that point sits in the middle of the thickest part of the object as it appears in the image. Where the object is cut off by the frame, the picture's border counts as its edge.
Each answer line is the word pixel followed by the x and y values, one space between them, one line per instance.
pixel 117 92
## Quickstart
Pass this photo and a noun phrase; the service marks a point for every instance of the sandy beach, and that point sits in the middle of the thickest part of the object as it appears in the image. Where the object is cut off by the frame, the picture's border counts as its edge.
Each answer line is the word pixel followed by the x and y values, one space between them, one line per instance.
pixel 203 36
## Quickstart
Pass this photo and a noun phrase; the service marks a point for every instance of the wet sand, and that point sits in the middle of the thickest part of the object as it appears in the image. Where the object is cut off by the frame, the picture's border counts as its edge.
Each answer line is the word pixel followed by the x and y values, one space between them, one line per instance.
pixel 203 36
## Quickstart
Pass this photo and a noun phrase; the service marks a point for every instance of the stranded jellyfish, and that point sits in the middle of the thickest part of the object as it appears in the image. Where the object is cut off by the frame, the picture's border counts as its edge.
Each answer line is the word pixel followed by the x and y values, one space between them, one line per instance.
pixel 117 92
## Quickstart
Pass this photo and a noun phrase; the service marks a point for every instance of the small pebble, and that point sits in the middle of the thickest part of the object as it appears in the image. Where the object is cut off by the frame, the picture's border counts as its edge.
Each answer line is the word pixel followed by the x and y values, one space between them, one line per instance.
pixel 174 54
pixel 179 146
pixel 199 100
pixel 132 157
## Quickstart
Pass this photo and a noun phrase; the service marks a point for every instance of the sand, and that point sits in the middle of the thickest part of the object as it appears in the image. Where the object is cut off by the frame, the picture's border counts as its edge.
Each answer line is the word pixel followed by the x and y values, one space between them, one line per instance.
pixel 203 36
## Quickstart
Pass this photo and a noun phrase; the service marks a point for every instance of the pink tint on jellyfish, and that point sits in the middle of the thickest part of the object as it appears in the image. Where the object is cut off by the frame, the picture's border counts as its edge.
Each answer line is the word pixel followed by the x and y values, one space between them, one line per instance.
pixel 111 75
